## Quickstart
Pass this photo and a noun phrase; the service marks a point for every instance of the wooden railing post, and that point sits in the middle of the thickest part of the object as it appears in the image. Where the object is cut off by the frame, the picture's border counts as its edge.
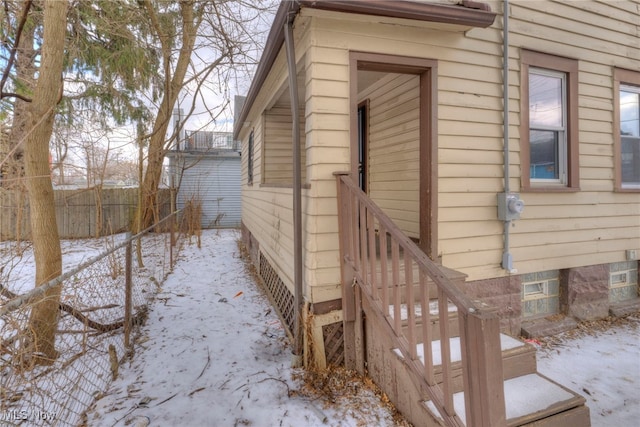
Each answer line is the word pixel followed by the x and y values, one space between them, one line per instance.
pixel 482 365
pixel 347 275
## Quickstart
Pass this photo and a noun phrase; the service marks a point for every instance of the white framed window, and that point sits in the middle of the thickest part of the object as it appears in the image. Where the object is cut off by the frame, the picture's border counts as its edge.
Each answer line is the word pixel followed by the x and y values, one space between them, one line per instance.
pixel 547 126
pixel 549 143
pixel 629 136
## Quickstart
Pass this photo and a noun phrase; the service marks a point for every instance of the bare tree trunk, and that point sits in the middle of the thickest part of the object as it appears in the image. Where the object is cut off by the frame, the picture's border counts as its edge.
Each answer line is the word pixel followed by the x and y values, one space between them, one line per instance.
pixel 46 242
pixel 155 158
pixel 173 84
pixel 13 169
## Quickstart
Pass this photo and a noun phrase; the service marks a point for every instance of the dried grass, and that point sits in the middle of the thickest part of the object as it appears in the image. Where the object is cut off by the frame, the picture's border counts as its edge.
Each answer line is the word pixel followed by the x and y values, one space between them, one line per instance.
pixel 590 328
pixel 192 219
pixel 358 394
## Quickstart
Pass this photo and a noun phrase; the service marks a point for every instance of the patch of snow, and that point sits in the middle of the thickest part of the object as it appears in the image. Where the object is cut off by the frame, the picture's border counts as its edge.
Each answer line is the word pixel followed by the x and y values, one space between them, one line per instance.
pixel 213 353
pixel 604 368
pixel 417 309
pixel 506 343
pixel 523 395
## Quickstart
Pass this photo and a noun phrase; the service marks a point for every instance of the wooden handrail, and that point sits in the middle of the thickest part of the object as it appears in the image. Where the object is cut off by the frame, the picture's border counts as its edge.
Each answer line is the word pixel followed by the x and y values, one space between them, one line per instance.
pixel 457 297
pixel 363 225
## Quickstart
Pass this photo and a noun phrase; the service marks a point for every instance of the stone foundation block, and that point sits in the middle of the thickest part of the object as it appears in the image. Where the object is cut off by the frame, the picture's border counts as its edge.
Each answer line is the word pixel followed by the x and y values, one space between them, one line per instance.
pixel 584 292
pixel 503 294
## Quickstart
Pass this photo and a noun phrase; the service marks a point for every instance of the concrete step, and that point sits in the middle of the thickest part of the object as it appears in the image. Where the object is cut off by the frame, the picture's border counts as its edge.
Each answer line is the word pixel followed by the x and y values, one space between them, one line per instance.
pixel 534 400
pixel 547 326
pixel 518 358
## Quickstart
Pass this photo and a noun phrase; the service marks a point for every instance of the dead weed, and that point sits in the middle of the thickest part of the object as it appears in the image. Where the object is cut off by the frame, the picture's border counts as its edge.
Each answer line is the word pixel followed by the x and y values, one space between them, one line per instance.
pixel 339 384
pixel 591 328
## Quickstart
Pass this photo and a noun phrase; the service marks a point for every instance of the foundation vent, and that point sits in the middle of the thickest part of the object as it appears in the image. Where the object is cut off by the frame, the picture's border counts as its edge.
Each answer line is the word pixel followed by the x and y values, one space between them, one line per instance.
pixel 278 292
pixel 333 336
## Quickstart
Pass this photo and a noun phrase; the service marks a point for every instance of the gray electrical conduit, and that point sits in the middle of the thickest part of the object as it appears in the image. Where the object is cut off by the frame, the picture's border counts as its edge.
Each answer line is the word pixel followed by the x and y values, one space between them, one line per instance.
pixel 507 261
pixel 296 357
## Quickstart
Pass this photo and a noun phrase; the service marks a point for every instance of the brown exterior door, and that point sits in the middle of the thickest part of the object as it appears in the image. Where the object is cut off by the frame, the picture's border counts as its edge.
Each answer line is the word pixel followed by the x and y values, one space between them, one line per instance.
pixel 363 134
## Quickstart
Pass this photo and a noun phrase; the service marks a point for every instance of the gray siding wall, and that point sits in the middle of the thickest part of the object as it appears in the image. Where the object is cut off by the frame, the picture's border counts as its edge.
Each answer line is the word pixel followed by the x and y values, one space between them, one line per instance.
pixel 215 181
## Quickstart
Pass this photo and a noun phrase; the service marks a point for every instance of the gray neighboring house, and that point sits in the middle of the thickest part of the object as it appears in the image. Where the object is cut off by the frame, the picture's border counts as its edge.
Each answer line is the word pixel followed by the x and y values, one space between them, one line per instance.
pixel 205 165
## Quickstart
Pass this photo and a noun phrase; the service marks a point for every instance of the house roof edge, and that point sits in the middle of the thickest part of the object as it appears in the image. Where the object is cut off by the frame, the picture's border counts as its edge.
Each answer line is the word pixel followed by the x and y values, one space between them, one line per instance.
pixel 468 12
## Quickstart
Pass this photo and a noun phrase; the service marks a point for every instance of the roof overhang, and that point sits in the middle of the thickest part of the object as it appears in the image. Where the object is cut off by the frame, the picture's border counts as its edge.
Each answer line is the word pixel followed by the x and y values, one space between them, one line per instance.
pixel 467 13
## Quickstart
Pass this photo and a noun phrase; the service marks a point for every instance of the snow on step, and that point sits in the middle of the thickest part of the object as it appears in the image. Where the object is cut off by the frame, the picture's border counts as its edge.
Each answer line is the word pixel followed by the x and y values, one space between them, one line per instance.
pixel 506 343
pixel 433 309
pixel 524 395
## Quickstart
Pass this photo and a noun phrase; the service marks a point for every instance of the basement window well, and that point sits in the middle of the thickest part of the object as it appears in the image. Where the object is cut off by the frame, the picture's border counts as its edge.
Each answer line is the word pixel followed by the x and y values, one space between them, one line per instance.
pixel 540 294
pixel 623 281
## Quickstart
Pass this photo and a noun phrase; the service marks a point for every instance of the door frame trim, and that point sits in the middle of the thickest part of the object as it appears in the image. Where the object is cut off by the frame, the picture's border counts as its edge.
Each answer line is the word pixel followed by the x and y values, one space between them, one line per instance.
pixel 427 69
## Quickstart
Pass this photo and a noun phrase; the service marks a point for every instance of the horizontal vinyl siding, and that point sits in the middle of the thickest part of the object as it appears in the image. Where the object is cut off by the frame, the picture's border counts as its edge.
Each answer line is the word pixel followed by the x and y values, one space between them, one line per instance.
pixel 470 133
pixel 596 225
pixel 394 152
pixel 556 230
pixel 278 150
pixel 267 209
pixel 268 214
pixel 265 212
pixel 215 182
pixel 469 125
pixel 327 99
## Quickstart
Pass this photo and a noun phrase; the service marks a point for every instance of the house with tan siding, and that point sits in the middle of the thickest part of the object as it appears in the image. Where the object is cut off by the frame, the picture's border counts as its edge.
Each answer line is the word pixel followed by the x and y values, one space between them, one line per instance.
pixel 488 153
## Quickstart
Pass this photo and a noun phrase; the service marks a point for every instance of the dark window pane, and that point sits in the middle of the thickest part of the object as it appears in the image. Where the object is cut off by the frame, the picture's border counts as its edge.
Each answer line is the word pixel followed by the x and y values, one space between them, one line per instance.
pixel 630 160
pixel 544 154
pixel 250 160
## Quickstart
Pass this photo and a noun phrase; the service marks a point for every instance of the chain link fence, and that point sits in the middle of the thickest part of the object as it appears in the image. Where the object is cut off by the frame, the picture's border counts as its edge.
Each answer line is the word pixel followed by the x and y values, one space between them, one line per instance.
pixel 103 300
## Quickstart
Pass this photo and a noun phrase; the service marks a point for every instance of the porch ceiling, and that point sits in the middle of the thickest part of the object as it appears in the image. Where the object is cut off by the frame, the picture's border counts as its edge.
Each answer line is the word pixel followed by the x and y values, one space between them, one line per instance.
pixel 368 78
pixel 282 97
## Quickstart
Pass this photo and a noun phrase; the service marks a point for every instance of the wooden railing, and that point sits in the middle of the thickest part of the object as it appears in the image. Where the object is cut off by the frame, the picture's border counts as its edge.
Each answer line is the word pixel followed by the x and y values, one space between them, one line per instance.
pixel 378 262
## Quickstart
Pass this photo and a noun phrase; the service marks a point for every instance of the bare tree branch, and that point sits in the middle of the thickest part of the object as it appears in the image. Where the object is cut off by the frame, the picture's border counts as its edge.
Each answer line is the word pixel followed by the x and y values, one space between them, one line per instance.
pixel 12 54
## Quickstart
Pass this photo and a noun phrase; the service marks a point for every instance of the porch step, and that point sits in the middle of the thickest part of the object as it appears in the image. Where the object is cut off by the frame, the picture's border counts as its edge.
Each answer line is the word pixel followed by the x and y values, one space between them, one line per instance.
pixel 518 358
pixel 455 277
pixel 534 400
pixel 434 320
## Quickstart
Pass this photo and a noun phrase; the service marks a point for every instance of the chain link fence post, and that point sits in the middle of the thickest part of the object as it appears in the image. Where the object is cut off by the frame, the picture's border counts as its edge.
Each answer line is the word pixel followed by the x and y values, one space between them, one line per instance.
pixel 127 293
pixel 173 238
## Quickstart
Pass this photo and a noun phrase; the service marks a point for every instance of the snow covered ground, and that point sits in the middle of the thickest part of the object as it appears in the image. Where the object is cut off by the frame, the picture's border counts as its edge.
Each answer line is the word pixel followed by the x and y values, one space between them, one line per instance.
pixel 601 365
pixel 213 353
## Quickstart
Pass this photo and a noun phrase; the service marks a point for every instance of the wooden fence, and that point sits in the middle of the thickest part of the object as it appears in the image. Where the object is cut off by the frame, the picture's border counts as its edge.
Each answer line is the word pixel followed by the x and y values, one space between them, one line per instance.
pixel 80 213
